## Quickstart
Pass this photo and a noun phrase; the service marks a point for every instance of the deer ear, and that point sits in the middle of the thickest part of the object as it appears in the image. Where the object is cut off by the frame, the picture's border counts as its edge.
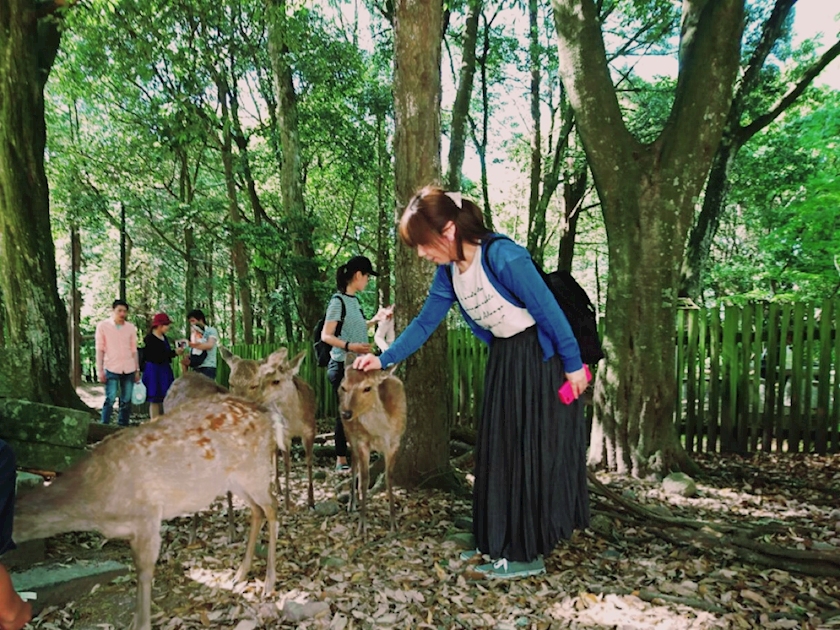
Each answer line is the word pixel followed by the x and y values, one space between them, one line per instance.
pixel 349 358
pixel 230 358
pixel 276 358
pixel 294 364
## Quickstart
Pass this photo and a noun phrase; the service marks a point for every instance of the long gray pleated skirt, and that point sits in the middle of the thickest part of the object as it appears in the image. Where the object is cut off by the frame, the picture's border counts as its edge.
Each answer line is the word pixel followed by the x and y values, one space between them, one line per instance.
pixel 530 457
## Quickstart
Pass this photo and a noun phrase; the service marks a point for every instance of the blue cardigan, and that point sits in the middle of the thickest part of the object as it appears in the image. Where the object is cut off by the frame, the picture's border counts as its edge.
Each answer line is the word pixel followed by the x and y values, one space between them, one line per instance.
pixel 518 281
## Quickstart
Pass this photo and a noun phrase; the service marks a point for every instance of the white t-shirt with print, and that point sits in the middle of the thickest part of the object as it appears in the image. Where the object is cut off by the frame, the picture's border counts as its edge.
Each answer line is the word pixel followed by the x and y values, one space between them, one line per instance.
pixel 484 304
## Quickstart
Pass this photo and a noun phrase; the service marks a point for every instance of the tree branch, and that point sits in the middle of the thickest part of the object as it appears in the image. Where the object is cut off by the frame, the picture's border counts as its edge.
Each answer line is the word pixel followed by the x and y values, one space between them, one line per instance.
pixel 747 132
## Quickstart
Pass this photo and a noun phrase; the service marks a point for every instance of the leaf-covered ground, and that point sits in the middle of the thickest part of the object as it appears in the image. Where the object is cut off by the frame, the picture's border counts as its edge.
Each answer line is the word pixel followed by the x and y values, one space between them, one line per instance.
pixel 628 575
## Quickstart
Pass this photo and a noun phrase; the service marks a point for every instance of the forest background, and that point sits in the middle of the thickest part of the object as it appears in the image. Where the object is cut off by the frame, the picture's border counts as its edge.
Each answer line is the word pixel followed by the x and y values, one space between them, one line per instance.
pixel 230 155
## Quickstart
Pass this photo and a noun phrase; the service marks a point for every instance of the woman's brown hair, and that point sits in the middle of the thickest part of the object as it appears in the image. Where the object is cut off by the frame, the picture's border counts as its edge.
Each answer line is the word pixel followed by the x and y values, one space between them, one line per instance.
pixel 428 212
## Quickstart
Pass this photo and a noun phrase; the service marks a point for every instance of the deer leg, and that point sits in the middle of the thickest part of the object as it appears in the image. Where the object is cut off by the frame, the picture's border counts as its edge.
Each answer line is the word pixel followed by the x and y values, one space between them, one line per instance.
pixel 354 479
pixel 276 461
pixel 287 462
pixel 389 459
pixel 256 522
pixel 231 525
pixel 308 443
pixel 271 563
pixel 193 529
pixel 145 547
pixel 364 482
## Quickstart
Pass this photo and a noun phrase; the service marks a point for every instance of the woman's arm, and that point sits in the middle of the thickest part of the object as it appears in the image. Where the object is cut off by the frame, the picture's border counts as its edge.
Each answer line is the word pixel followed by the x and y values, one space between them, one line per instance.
pixel 440 299
pixel 328 336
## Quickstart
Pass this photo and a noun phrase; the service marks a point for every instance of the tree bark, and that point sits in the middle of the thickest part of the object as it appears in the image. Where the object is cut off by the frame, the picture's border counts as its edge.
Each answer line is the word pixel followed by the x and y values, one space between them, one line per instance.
pixel 461 107
pixel 536 213
pixel 648 194
pixel 384 203
pixel 424 454
pixel 239 254
pixel 305 268
pixel 37 318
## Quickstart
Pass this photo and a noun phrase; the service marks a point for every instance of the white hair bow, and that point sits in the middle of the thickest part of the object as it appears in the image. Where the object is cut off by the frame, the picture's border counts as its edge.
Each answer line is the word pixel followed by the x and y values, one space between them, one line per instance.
pixel 456 197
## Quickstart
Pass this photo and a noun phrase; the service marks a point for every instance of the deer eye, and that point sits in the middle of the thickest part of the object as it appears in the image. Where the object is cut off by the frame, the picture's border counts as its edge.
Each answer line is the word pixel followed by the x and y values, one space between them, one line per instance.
pixel 276 382
pixel 367 389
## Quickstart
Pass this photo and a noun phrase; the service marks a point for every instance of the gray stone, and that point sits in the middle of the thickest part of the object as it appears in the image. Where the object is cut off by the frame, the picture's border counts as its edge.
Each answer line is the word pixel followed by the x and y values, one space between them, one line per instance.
pixel 27 553
pixel 332 561
pixel 57 584
pixel 680 484
pixel 601 525
pixel 296 612
pixel 43 436
pixel 26 481
pixel 327 508
pixel 464 540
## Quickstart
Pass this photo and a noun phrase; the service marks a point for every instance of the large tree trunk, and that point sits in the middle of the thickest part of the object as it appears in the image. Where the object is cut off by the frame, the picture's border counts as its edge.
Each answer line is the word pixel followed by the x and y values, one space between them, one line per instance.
pixel 648 194
pixel 305 268
pixel 424 454
pixel 37 318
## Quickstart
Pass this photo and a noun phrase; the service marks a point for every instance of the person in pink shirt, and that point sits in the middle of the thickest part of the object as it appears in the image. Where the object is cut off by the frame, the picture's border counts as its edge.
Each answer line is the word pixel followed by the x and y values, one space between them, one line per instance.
pixel 116 361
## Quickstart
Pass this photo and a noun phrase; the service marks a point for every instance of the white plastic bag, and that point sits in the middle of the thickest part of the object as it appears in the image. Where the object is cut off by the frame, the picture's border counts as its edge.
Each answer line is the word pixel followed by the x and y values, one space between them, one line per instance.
pixel 138 396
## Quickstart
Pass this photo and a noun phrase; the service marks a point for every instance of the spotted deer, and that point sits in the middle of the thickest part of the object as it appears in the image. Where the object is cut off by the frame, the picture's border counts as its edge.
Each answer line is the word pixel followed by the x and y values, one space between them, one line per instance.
pixel 192 388
pixel 372 408
pixel 273 382
pixel 138 477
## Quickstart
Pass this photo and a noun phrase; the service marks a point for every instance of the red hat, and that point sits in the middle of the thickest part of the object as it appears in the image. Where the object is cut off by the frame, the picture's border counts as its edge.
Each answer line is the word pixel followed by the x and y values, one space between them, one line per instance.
pixel 161 319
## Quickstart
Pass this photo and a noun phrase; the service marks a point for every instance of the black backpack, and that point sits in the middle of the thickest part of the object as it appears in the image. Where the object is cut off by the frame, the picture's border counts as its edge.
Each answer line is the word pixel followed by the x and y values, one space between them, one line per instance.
pixel 572 299
pixel 322 349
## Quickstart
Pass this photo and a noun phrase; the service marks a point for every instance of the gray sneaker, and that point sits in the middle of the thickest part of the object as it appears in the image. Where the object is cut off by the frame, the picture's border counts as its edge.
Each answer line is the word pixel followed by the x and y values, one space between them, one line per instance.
pixel 504 569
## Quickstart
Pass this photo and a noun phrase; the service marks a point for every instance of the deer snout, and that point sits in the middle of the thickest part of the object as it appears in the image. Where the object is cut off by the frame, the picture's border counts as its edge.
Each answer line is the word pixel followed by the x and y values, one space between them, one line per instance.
pixel 346 414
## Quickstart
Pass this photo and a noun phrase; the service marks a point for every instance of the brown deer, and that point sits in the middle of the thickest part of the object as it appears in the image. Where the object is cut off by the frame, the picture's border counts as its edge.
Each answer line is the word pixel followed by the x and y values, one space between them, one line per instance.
pixel 274 383
pixel 372 407
pixel 141 476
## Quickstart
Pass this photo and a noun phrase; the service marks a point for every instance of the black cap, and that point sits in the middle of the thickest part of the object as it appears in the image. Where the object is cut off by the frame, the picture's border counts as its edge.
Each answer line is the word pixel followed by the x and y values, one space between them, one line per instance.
pixel 360 263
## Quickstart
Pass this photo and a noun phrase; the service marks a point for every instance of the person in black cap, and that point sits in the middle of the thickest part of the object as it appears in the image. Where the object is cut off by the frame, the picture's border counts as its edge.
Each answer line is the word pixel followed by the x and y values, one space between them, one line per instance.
pixel 352 335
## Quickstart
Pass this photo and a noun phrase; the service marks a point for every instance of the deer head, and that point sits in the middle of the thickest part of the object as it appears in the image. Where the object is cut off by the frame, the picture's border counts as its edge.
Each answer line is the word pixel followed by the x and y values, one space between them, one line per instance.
pixel 360 392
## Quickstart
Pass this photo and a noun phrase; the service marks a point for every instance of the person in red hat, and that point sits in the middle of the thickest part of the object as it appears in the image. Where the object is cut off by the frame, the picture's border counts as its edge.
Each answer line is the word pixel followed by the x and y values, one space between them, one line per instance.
pixel 158 353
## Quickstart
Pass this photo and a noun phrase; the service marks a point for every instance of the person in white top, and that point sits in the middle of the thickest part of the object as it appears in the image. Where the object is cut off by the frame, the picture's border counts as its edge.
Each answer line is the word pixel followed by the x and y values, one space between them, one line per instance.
pixel 530 457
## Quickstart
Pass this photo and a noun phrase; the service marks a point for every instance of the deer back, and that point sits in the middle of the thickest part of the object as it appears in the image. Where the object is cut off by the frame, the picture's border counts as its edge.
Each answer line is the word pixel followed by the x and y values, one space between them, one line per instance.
pixel 190 386
pixel 167 468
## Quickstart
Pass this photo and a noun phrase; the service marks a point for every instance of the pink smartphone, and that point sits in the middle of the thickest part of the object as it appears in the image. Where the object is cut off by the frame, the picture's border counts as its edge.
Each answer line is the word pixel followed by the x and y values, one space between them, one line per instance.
pixel 565 392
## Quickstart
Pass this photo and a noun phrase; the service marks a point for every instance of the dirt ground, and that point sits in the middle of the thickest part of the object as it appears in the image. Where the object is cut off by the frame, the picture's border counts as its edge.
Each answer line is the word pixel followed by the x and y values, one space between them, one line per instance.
pixel 626 572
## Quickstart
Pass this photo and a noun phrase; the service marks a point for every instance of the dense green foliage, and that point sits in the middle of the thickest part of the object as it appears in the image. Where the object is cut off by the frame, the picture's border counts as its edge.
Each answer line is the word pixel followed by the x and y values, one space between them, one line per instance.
pixel 135 119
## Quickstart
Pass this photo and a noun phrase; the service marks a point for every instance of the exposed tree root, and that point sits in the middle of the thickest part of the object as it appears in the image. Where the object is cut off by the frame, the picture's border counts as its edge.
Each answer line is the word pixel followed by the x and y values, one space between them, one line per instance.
pixel 710 535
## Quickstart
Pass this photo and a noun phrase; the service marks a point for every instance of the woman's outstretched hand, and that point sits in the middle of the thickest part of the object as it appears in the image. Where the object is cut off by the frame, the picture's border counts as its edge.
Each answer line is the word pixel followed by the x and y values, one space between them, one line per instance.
pixel 367 362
